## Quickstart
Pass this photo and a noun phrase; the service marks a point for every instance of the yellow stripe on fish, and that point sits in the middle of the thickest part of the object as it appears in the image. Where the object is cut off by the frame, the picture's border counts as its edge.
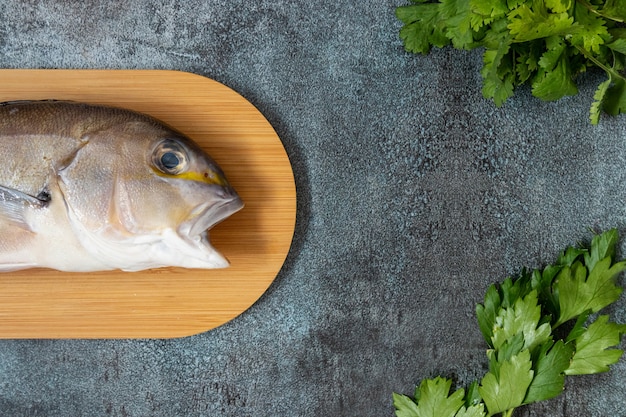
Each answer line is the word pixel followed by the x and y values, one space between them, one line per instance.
pixel 206 177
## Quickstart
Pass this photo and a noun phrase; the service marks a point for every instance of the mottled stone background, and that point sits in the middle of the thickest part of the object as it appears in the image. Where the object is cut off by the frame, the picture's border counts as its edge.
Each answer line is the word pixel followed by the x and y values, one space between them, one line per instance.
pixel 415 194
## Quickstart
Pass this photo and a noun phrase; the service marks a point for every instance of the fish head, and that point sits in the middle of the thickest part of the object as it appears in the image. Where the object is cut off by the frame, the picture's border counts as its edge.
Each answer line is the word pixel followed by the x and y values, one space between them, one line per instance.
pixel 205 195
pixel 141 182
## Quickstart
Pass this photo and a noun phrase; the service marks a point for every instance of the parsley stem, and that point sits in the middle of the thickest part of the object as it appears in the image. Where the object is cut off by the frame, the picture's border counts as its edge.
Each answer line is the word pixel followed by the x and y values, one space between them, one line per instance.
pixel 593 59
pixel 596 12
pixel 508 413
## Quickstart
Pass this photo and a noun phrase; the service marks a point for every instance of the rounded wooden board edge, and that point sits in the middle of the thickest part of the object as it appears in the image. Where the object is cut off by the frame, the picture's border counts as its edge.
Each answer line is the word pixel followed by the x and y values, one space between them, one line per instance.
pixel 74 84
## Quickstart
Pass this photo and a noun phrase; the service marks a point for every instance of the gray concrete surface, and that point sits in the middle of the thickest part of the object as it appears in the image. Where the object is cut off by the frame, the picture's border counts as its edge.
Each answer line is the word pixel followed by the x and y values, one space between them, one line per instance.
pixel 415 194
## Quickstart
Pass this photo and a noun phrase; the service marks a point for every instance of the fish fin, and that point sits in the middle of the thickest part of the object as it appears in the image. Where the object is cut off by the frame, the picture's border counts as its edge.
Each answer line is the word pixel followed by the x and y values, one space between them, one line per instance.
pixel 14 204
pixel 19 102
pixel 17 266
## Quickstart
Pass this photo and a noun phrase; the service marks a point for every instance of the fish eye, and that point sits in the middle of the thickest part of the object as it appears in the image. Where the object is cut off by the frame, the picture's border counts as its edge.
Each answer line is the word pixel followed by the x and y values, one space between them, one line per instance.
pixel 170 160
pixel 170 157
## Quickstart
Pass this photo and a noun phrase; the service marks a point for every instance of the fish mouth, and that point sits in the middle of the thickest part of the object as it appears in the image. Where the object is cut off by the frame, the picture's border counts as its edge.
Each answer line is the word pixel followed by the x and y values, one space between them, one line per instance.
pixel 207 215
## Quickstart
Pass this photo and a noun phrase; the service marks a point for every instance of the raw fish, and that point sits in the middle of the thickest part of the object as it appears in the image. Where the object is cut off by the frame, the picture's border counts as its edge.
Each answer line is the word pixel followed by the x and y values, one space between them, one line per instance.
pixel 90 188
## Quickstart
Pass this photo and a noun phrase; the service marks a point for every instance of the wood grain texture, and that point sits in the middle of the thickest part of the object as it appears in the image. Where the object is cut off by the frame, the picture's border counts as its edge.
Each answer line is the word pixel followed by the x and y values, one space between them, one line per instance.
pixel 166 302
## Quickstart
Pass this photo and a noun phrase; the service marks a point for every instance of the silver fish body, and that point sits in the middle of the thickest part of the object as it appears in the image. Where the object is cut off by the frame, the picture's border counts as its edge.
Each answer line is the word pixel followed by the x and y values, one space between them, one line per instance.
pixel 89 188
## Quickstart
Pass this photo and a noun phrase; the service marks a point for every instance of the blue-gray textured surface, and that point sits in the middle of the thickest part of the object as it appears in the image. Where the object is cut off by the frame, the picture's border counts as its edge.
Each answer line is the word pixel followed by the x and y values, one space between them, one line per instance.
pixel 415 194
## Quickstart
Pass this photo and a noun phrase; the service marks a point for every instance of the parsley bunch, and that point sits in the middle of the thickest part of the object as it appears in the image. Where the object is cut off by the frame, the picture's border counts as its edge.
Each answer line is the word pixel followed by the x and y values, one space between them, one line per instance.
pixel 545 43
pixel 540 327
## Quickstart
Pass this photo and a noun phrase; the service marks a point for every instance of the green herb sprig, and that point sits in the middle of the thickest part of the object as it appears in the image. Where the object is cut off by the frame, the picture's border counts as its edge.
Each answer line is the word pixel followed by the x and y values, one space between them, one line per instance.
pixel 529 353
pixel 545 43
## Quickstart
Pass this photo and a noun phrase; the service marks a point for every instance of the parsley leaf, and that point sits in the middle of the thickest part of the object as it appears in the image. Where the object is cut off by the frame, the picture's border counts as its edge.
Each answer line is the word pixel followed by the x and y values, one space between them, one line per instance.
pixel 598 99
pixel 486 313
pixel 423 27
pixel 458 17
pixel 528 56
pixel 549 365
pixel 591 30
pixel 498 72
pixel 433 399
pixel 618 45
pixel 522 318
pixel 508 389
pixel 495 86
pixel 592 347
pixel 472 396
pixel 486 11
pixel 558 6
pixel 527 24
pixel 602 245
pixel 554 82
pixel 405 406
pixel 615 99
pixel 579 292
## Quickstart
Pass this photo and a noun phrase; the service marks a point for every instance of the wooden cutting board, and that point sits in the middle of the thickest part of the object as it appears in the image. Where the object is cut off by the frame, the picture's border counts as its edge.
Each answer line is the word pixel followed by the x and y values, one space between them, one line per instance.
pixel 167 302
